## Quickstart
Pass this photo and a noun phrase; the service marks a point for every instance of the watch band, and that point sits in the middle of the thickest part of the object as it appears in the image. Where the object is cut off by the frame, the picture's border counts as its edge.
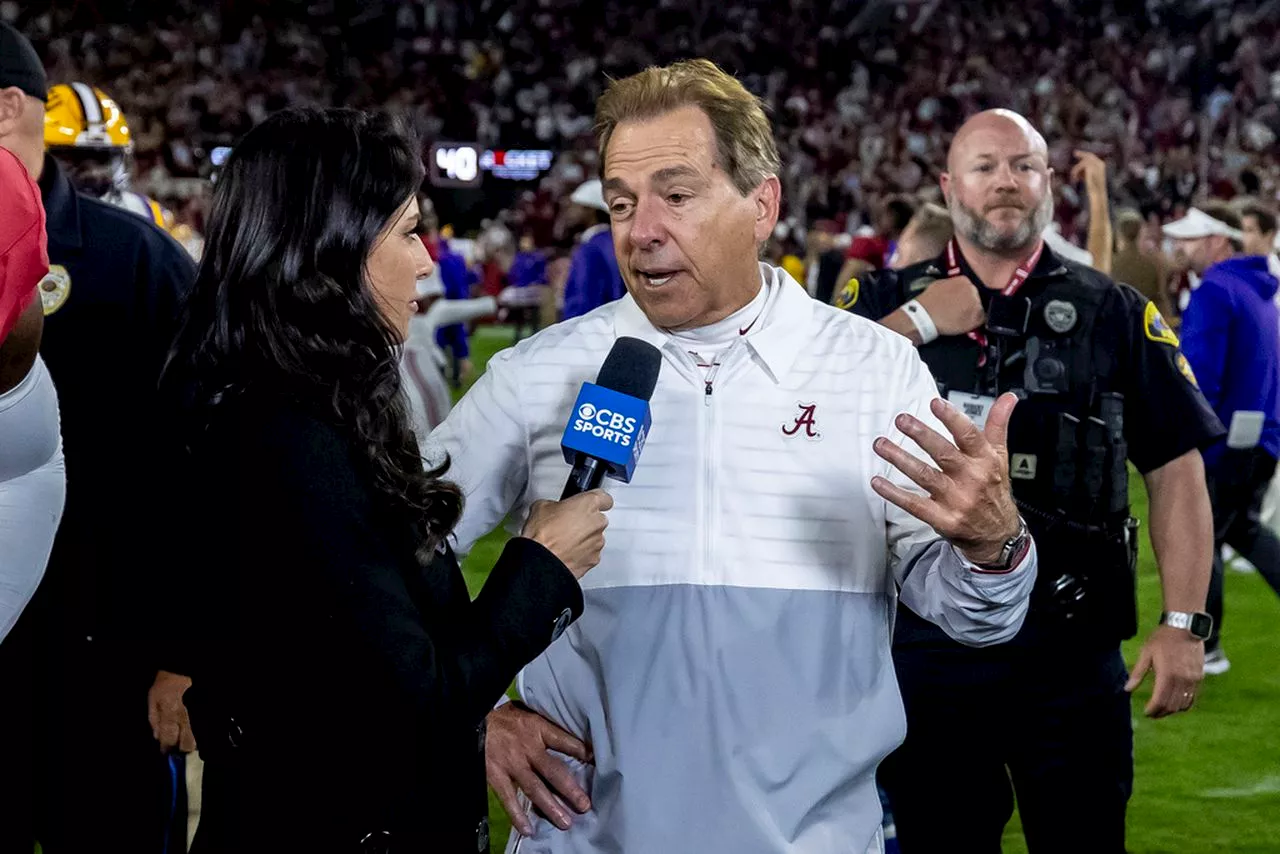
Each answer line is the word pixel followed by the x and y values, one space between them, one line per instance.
pixel 1199 624
pixel 1015 549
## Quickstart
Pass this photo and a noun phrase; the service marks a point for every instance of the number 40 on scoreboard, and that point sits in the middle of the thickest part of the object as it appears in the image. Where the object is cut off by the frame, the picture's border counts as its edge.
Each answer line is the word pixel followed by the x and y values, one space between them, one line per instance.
pixel 454 164
pixel 463 164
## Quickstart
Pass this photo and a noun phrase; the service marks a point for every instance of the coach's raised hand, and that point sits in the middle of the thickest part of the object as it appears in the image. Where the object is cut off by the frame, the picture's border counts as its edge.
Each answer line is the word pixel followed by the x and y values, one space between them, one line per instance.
pixel 968 499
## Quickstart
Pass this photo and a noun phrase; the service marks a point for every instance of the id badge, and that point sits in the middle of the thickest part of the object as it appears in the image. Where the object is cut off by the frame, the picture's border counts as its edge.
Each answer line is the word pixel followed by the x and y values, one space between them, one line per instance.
pixel 975 407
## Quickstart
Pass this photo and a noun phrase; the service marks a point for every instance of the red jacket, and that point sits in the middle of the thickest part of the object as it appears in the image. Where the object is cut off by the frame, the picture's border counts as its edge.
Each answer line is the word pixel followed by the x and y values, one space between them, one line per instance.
pixel 24 255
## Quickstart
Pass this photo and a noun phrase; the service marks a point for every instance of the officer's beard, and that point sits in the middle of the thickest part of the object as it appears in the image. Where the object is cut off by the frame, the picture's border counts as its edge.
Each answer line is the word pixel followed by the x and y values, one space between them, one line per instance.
pixel 976 228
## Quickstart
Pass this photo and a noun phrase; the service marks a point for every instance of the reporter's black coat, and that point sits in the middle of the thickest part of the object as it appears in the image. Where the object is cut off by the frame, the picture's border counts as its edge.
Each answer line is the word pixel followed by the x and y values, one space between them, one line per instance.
pixel 340 689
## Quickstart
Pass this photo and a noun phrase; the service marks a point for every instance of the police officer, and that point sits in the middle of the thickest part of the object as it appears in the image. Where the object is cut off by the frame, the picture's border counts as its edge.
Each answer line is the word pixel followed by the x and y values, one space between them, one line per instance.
pixel 1101 381
pixel 98 780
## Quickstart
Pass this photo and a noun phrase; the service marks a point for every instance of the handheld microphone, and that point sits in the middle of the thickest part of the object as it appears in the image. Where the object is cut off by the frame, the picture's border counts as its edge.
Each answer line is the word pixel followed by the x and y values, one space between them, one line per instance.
pixel 610 419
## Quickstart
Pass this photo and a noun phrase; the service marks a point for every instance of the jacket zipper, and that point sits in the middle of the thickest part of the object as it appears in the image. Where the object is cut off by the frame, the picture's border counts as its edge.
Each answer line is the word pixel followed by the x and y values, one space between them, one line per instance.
pixel 711 378
pixel 710 520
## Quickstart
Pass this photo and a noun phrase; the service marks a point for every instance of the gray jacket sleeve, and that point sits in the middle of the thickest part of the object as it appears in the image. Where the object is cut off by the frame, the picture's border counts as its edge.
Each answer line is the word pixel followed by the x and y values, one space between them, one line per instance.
pixel 934 580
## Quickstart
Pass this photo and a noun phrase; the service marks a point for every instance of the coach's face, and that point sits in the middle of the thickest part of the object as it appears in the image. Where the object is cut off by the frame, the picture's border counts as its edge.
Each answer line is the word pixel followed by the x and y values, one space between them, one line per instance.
pixel 687 241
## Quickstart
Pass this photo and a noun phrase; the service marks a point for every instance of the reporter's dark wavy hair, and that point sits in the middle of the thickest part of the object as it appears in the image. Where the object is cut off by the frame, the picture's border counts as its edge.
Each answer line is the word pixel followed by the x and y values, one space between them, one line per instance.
pixel 282 303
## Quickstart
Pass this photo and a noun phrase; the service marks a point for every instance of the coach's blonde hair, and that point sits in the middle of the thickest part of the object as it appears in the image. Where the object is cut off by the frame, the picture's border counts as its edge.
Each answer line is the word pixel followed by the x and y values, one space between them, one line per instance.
pixel 744 139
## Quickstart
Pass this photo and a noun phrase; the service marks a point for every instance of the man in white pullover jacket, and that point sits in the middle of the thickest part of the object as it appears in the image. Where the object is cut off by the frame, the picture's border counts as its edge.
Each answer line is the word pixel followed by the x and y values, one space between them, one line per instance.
pixel 729 687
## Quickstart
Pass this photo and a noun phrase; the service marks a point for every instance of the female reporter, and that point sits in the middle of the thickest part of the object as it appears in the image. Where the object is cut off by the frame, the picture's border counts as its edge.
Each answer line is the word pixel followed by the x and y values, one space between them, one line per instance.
pixel 341 674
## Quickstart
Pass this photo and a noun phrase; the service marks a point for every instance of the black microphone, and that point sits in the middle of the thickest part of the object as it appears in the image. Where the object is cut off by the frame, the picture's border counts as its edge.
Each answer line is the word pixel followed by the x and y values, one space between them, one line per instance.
pixel 610 419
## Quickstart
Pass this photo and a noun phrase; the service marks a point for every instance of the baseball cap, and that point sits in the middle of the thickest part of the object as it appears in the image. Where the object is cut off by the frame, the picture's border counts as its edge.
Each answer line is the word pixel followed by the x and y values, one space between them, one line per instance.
pixel 24 257
pixel 1198 224
pixel 19 64
pixel 590 195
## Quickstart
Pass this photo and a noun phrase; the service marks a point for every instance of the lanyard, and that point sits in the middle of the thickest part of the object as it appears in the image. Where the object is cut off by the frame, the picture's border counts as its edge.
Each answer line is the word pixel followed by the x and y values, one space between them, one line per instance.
pixel 1019 276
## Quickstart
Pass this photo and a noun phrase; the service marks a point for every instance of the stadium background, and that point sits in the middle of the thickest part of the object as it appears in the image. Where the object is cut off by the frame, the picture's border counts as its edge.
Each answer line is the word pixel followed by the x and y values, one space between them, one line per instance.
pixel 1182 99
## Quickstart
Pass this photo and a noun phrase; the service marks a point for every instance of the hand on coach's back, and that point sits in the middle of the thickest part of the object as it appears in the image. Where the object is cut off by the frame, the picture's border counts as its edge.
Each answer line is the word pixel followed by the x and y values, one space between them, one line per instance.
pixel 517 751
pixel 167 714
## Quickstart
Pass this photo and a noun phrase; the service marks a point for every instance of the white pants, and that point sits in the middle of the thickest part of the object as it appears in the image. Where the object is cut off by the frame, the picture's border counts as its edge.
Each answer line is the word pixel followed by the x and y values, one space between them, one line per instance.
pixel 33 488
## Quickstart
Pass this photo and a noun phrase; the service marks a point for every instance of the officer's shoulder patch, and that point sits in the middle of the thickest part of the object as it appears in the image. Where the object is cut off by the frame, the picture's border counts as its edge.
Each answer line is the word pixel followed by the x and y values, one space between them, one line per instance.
pixel 1155 327
pixel 55 287
pixel 849 295
pixel 1185 366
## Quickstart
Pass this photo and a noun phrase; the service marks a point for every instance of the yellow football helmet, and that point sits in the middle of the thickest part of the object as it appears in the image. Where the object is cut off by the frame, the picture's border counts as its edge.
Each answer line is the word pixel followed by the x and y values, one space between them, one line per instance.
pixel 81 116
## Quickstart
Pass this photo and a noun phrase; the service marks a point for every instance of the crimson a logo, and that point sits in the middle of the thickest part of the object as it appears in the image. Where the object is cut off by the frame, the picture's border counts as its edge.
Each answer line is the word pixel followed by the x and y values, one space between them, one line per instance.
pixel 804 421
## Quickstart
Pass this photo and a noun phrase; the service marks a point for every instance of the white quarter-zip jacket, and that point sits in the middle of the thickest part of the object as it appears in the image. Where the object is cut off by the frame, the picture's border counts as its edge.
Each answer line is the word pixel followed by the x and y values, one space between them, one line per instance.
pixel 732 670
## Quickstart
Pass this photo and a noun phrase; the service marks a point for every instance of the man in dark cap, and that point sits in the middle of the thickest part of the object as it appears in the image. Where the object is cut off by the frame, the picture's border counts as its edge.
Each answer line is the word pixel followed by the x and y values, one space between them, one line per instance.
pixel 81 771
pixel 20 66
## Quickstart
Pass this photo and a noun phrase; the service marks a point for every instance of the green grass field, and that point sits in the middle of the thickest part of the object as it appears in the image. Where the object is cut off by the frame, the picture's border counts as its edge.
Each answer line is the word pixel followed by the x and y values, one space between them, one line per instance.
pixel 1206 781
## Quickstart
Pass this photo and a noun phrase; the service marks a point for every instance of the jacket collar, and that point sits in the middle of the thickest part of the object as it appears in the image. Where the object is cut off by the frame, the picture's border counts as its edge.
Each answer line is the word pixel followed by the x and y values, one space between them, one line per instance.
pixel 782 331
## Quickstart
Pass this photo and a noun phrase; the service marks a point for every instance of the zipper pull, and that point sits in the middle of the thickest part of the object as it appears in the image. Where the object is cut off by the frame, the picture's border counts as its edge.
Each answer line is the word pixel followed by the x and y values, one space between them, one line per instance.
pixel 706 398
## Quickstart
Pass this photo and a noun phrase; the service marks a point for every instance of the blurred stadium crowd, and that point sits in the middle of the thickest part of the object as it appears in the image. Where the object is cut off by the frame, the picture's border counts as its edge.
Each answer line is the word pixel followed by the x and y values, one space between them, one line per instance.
pixel 1182 99
pixel 1152 109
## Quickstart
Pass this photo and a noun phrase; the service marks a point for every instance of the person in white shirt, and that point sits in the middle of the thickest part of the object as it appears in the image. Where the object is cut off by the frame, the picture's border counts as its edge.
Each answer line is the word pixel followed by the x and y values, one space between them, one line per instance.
pixel 730 687
pixel 423 363
pixel 32 476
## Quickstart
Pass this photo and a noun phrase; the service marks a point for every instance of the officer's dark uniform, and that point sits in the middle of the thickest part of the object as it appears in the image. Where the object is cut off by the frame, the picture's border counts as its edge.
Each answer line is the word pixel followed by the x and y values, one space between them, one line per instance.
pixel 93 771
pixel 1101 379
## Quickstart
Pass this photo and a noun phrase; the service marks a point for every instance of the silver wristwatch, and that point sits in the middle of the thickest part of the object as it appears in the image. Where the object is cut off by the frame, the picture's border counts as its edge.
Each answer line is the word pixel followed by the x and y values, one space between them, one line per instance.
pixel 1198 623
pixel 1010 551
